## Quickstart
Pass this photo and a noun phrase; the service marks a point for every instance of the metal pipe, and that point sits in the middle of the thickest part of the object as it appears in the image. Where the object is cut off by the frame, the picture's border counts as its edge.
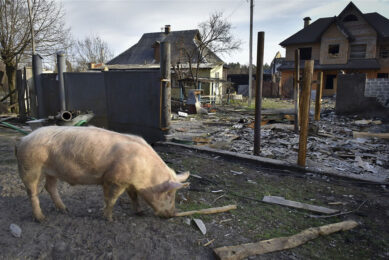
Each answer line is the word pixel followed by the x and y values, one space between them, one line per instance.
pixel 258 93
pixel 61 65
pixel 251 52
pixel 165 87
pixel 64 116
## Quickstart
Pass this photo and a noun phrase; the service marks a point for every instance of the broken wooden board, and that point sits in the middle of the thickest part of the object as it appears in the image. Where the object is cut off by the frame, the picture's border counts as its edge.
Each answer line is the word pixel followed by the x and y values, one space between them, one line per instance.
pixel 263 122
pixel 281 243
pixel 201 140
pixel 370 135
pixel 206 211
pixel 299 205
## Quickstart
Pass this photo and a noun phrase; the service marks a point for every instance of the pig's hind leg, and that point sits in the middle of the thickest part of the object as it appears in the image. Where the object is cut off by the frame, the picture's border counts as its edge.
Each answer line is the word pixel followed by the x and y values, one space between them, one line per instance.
pixel 51 187
pixel 30 179
pixel 111 193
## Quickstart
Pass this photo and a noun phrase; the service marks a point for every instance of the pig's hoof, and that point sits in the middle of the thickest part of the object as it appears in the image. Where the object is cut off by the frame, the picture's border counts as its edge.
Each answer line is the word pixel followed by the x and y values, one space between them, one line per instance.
pixel 140 213
pixel 40 219
pixel 108 218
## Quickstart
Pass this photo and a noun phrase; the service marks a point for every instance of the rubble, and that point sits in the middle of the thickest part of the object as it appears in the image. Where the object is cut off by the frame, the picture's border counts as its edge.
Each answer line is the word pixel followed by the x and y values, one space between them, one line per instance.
pixel 331 146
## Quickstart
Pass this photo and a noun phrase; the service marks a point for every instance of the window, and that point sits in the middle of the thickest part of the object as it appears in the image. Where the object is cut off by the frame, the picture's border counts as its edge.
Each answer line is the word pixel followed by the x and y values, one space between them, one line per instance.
pixel 382 75
pixel 384 51
pixel 330 81
pixel 333 50
pixel 305 53
pixel 358 51
pixel 350 18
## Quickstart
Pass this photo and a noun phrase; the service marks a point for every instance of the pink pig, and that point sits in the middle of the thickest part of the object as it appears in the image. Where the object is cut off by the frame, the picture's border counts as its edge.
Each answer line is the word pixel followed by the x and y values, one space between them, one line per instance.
pixel 90 155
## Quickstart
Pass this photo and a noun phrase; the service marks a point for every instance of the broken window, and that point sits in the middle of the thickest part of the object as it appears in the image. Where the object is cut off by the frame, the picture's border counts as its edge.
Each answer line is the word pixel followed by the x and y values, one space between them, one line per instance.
pixel 358 51
pixel 350 18
pixel 382 75
pixel 333 49
pixel 305 53
pixel 384 52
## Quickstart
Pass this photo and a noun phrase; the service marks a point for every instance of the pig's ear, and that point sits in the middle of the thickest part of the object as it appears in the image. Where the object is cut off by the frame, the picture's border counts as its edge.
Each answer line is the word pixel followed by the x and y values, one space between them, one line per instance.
pixel 176 185
pixel 182 176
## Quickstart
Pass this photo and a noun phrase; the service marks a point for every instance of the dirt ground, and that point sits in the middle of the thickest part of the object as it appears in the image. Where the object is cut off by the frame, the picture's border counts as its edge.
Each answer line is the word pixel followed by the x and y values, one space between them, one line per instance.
pixel 83 233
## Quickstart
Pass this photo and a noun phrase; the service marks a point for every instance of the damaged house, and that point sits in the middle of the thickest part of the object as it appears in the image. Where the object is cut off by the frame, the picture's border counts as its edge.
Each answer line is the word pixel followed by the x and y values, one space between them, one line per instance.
pixel 184 53
pixel 351 42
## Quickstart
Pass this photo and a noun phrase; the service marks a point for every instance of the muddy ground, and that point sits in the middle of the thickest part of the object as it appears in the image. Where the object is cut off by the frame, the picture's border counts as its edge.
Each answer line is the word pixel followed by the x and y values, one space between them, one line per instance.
pixel 83 233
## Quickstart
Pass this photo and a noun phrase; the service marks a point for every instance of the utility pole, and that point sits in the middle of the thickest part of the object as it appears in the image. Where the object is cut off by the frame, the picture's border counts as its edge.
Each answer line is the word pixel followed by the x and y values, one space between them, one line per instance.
pixel 251 52
pixel 32 27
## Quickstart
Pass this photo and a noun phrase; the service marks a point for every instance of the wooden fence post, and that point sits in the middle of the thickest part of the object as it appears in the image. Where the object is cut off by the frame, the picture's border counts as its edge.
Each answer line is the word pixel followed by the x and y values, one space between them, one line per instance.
pixel 319 92
pixel 296 90
pixel 258 93
pixel 305 100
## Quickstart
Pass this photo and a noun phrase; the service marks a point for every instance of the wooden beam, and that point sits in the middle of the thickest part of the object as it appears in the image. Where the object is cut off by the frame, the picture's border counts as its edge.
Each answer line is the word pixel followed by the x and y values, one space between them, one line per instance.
pixel 305 101
pixel 281 243
pixel 8 95
pixel 370 135
pixel 206 211
pixel 319 91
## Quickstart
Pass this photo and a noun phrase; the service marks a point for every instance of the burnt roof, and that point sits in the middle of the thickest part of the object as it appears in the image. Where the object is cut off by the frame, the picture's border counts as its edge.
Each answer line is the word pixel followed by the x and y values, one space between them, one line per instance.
pixel 313 32
pixel 143 51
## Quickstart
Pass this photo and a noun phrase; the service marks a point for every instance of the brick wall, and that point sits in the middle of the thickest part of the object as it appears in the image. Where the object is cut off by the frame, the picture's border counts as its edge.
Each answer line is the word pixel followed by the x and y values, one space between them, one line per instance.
pixel 378 88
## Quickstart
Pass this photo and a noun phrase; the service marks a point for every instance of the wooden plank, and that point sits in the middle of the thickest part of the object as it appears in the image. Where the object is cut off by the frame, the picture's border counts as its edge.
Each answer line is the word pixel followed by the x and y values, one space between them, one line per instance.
pixel 281 243
pixel 304 113
pixel 206 211
pixel 298 205
pixel 370 135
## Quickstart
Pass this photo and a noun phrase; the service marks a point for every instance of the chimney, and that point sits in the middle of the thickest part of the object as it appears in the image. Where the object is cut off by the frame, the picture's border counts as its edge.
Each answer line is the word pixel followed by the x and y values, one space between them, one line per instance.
pixel 167 29
pixel 306 21
pixel 156 51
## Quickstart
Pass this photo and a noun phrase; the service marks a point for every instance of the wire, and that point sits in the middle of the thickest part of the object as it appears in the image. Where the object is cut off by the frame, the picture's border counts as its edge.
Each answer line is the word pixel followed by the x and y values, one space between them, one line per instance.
pixel 239 5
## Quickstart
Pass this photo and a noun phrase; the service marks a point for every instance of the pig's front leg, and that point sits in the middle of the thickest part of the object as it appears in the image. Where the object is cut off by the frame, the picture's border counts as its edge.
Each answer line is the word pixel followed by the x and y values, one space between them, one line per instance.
pixel 134 198
pixel 111 193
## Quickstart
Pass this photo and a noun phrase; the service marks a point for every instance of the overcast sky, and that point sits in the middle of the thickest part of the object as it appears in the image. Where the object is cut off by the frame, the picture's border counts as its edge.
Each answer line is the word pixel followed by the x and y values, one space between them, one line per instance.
pixel 121 23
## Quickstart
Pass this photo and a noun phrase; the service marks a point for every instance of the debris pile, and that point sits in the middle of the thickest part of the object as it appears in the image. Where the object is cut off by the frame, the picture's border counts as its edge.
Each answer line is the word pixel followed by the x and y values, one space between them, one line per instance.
pixel 333 143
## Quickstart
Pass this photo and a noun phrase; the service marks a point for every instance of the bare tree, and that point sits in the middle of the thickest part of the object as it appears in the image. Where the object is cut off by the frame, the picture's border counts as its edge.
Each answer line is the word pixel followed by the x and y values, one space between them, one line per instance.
pixel 90 49
pixel 50 33
pixel 215 37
